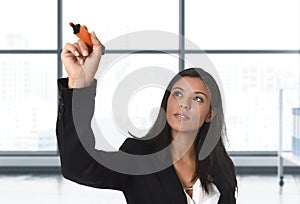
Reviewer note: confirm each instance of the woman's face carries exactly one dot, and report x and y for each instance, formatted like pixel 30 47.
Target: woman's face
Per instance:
pixel 188 105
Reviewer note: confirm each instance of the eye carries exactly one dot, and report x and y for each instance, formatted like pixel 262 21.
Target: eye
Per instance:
pixel 198 99
pixel 177 94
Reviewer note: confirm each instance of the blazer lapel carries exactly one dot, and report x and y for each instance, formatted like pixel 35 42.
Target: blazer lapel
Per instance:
pixel 172 186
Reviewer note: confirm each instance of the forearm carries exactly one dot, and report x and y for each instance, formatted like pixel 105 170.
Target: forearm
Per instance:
pixel 76 108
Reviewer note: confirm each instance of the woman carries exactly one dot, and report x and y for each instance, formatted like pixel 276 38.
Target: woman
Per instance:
pixel 191 114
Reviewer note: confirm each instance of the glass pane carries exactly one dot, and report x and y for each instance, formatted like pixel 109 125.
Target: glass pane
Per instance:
pixel 30 24
pixel 28 99
pixel 113 19
pixel 251 84
pixel 249 24
pixel 139 80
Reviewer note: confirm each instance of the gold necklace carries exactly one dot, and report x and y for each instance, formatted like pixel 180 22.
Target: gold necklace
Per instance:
pixel 188 189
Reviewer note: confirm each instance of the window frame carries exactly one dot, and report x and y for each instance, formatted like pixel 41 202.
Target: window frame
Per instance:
pixel 181 52
pixel 56 51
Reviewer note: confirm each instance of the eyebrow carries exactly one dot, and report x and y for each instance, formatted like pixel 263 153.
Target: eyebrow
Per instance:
pixel 197 92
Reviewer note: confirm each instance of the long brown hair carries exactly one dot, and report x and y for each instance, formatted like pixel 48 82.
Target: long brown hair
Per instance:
pixel 216 167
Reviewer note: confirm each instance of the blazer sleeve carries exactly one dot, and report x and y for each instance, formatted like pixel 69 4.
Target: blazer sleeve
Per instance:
pixel 76 163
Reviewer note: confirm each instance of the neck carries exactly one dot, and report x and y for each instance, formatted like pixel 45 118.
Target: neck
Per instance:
pixel 183 146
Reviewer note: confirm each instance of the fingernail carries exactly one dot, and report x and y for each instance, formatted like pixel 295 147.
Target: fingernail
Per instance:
pixel 81 61
pixel 76 53
pixel 85 53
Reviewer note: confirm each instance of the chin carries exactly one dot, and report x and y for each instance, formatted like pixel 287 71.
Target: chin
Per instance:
pixel 184 130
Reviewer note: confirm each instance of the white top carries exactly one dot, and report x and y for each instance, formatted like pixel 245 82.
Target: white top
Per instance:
pixel 200 196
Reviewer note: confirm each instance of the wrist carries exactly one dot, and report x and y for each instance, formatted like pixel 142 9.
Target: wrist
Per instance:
pixel 78 83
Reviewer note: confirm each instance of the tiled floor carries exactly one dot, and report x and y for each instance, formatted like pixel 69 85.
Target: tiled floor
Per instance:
pixel 53 189
pixel 265 189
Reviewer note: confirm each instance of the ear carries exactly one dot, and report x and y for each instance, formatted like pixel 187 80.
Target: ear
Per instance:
pixel 211 115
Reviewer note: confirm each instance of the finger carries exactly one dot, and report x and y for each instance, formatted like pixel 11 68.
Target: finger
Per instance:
pixel 80 58
pixel 69 48
pixel 83 48
pixel 97 46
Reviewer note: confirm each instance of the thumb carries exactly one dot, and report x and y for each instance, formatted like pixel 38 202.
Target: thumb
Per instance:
pixel 97 44
pixel 95 41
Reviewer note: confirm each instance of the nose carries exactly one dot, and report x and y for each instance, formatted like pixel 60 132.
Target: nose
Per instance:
pixel 184 106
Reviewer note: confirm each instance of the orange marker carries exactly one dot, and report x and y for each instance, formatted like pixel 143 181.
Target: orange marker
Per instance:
pixel 84 35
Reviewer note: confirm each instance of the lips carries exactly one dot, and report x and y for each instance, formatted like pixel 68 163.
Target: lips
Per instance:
pixel 181 116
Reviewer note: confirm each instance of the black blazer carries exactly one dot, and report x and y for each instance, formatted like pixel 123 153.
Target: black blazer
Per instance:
pixel 77 165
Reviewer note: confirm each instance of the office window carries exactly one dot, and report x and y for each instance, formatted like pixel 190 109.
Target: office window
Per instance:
pixel 112 19
pixel 29 56
pixel 243 25
pixel 30 24
pixel 240 38
pixel 114 25
pixel 28 61
pixel 142 104
pixel 28 102
pixel 251 84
